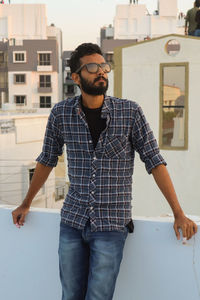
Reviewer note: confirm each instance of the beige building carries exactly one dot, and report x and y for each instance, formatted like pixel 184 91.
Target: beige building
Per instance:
pixel 150 74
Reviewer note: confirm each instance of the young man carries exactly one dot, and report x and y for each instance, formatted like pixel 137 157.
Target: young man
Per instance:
pixel 101 133
pixel 191 19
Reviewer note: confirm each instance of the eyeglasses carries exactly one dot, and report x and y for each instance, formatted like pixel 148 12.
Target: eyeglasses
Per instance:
pixel 94 68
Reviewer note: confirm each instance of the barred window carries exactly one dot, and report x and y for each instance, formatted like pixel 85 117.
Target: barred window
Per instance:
pixel 19 57
pixel 19 78
pixel 20 100
pixel 45 80
pixel 44 59
pixel 45 101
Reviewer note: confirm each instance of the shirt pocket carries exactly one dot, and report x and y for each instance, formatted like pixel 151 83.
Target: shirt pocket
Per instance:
pixel 115 146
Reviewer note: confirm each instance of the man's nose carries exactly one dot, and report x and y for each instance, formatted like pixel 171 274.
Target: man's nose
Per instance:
pixel 100 71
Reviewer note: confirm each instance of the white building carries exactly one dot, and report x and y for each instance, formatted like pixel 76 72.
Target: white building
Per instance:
pixel 162 75
pixel 30 84
pixel 132 21
pixel 30 58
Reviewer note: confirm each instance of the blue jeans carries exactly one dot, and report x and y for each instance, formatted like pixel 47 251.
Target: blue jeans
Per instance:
pixel 89 262
pixel 197 32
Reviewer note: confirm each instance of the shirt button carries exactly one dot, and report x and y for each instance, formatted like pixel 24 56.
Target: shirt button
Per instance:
pixel 90 141
pixel 93 175
pixel 91 208
pixel 94 158
pixel 92 192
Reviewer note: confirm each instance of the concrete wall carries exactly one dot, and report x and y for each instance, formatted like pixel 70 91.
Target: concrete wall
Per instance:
pixel 141 82
pixel 155 265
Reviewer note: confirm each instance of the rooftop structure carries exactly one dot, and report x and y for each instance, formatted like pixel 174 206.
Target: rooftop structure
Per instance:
pixel 162 76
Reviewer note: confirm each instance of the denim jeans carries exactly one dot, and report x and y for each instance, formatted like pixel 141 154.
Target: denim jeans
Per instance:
pixel 89 262
pixel 197 32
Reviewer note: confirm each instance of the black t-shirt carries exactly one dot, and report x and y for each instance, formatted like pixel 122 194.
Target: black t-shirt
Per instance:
pixel 95 123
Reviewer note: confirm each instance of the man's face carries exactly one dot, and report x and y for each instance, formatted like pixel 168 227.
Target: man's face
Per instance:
pixel 93 84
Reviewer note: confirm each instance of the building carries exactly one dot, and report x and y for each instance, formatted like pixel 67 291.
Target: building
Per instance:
pixel 163 79
pixel 70 89
pixel 133 21
pixel 30 58
pixel 31 82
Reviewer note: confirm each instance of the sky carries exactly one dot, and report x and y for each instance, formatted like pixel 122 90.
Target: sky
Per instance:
pixel 81 20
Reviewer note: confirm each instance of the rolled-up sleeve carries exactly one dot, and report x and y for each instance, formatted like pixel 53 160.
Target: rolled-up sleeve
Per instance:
pixel 145 143
pixel 53 142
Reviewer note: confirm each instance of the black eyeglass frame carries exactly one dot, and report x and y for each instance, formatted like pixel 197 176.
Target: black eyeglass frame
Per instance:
pixel 98 65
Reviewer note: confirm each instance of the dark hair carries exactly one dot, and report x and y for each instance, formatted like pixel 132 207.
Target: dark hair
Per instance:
pixel 197 3
pixel 80 51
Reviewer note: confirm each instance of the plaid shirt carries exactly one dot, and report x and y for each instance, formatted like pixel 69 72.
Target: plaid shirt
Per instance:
pixel 101 178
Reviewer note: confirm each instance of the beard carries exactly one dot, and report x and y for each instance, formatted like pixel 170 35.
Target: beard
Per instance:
pixel 92 89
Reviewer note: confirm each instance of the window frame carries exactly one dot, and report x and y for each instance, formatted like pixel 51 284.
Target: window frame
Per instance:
pixel 45 83
pixel 45 101
pixel 20 104
pixel 19 61
pixel 186 65
pixel 19 74
pixel 44 53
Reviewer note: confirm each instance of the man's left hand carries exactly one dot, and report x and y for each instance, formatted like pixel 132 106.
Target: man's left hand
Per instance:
pixel 187 226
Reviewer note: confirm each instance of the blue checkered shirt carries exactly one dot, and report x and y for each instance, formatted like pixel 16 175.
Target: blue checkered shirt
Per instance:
pixel 101 178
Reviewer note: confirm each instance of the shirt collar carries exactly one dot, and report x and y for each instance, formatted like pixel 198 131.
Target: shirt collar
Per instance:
pixel 105 108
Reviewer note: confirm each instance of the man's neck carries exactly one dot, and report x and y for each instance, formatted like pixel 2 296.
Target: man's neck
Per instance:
pixel 92 101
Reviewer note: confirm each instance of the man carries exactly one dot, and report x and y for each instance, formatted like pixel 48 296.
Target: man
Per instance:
pixel 190 18
pixel 101 133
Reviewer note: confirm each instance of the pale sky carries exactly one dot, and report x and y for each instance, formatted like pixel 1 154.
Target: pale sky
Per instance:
pixel 81 20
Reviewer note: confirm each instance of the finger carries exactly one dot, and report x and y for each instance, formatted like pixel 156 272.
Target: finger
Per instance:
pixel 14 216
pixel 177 232
pixel 184 231
pixel 195 228
pixel 21 219
pixel 189 232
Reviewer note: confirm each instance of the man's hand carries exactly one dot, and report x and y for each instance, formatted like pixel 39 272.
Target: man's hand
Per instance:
pixel 187 226
pixel 19 215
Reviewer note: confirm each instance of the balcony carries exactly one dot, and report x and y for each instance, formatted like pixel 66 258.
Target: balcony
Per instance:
pixel 44 68
pixel 45 88
pixel 155 265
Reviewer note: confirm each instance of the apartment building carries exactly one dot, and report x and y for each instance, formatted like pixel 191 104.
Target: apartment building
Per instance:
pixel 30 58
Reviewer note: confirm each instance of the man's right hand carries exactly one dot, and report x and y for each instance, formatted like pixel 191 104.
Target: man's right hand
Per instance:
pixel 19 215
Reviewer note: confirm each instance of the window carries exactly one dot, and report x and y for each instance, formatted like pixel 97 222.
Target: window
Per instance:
pixel 68 76
pixel 70 89
pixel 31 172
pixel 174 106
pixel 45 80
pixel 19 56
pixel 44 59
pixel 20 100
pixel 45 101
pixel 60 193
pixel 19 78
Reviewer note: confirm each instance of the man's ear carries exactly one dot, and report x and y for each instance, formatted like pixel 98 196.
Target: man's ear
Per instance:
pixel 76 78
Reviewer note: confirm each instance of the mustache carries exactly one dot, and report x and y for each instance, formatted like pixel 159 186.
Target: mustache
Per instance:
pixel 100 77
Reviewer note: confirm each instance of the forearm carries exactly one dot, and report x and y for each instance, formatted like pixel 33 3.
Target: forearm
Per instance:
pixel 40 175
pixel 165 184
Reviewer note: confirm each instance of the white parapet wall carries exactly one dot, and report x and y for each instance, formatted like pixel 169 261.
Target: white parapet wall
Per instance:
pixel 155 265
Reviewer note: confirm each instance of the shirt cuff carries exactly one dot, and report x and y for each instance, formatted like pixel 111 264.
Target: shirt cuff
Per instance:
pixel 46 160
pixel 154 161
